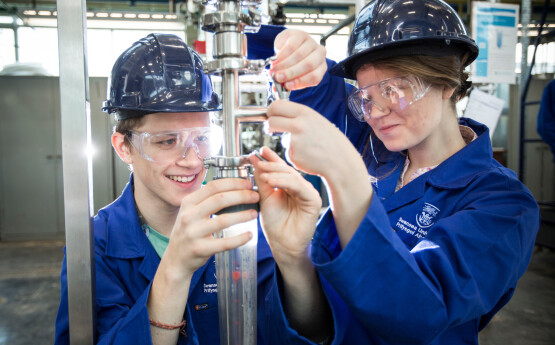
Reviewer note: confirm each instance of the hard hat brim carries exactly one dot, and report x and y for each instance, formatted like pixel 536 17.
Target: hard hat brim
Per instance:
pixel 427 46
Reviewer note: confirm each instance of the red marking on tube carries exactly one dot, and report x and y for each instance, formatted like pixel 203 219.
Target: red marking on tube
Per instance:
pixel 236 275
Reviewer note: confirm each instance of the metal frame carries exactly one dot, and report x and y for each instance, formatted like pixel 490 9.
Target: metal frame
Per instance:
pixel 77 170
pixel 336 28
pixel 525 84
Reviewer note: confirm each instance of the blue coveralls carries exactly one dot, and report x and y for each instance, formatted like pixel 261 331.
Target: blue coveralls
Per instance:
pixel 546 117
pixel 126 263
pixel 433 262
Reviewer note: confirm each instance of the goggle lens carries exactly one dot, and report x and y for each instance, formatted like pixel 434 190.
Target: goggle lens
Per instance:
pixel 174 145
pixel 394 93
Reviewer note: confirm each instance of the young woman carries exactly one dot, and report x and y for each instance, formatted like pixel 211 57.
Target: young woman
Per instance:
pixel 427 234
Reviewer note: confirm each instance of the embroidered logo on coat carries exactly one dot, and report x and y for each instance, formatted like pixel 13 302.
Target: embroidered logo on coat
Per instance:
pixel 203 306
pixel 425 219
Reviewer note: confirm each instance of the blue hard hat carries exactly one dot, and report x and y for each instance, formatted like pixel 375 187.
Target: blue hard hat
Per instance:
pixel 159 73
pixel 388 28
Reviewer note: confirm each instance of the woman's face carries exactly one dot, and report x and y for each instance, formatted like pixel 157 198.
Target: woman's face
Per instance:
pixel 403 128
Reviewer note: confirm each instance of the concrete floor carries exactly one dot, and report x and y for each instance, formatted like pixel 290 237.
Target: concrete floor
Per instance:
pixel 29 295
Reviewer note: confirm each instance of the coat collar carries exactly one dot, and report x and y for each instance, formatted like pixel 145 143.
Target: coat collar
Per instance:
pixel 454 173
pixel 461 168
pixel 124 237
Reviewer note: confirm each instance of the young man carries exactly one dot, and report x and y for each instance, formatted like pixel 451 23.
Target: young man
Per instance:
pixel 155 272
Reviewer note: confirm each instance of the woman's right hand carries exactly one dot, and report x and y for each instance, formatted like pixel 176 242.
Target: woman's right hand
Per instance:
pixel 319 148
pixel 316 146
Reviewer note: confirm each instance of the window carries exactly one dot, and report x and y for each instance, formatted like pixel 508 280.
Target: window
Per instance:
pixel 7 48
pixel 38 45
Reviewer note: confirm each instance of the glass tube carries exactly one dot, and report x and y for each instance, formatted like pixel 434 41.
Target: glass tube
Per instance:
pixel 236 271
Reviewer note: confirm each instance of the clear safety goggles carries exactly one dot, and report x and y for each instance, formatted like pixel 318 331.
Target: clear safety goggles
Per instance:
pixel 394 93
pixel 170 146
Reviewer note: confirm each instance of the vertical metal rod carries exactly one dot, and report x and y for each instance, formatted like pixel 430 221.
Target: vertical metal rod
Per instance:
pixel 77 169
pixel 524 42
pixel 230 102
pixel 16 38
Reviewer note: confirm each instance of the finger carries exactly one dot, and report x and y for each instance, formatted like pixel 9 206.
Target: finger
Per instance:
pixel 215 187
pixel 223 221
pixel 265 168
pixel 216 202
pixel 283 124
pixel 307 80
pixel 270 155
pixel 275 167
pixel 297 66
pixel 211 246
pixel 285 37
pixel 293 184
pixel 286 109
pixel 293 54
pixel 208 226
pixel 220 201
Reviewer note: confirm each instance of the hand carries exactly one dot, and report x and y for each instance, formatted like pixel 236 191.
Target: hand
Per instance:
pixel 301 61
pixel 317 146
pixel 289 207
pixel 191 241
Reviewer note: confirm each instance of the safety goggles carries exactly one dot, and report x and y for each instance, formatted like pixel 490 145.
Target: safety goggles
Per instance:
pixel 170 146
pixel 393 93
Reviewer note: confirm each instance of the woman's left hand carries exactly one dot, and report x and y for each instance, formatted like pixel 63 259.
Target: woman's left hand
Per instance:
pixel 301 61
pixel 289 207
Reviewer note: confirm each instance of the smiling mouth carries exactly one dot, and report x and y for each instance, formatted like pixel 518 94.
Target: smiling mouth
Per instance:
pixel 182 179
pixel 387 128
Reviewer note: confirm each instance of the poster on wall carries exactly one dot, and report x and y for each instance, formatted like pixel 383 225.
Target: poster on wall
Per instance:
pixel 494 28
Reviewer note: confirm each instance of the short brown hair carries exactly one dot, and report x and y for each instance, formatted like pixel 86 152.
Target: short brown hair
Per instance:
pixel 126 125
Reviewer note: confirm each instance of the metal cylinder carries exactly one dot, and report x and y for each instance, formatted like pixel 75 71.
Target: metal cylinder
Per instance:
pixel 236 269
pixel 237 284
pixel 230 44
pixel 230 101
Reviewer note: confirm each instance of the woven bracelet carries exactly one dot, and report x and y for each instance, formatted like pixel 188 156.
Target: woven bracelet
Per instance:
pixel 181 326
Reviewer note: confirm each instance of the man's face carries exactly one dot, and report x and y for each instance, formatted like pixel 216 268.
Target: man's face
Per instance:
pixel 165 183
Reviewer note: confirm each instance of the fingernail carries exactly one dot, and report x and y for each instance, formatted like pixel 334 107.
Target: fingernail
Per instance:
pixel 279 77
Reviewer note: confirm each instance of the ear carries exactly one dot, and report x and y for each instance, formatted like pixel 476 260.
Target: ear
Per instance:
pixel 448 92
pixel 121 148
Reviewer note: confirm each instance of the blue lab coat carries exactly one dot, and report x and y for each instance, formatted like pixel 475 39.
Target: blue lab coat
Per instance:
pixel 433 262
pixel 126 263
pixel 546 117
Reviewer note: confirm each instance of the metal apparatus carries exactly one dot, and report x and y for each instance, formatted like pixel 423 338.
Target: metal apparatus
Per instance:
pixel 236 269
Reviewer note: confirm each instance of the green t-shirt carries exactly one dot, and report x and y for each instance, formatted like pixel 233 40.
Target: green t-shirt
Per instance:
pixel 158 241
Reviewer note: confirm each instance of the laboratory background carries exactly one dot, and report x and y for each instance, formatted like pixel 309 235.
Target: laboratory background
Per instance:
pixel 48 193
